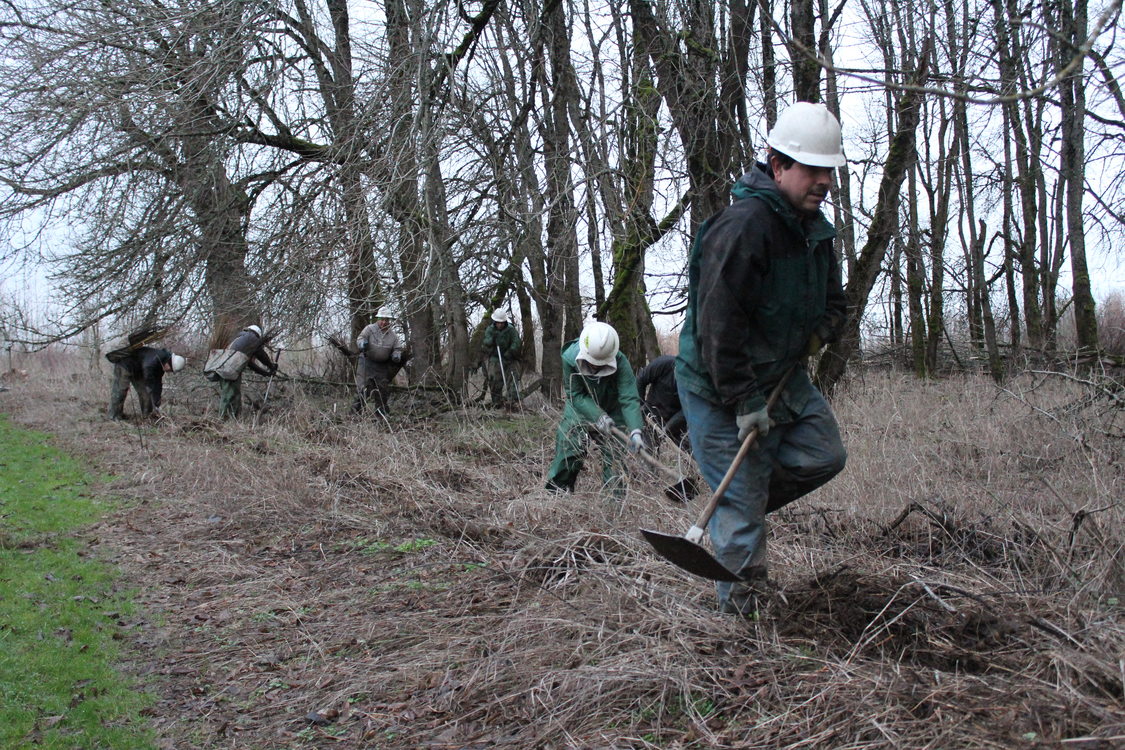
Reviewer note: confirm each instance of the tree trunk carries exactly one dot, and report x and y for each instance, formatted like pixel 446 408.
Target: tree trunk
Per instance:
pixel 883 225
pixel 802 43
pixel 915 281
pixel 402 199
pixel 626 307
pixel 1010 57
pixel 1072 114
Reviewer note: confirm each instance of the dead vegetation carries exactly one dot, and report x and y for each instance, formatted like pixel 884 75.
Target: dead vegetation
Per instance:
pixel 310 580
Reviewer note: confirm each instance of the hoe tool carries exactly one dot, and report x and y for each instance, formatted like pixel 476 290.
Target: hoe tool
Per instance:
pixel 686 551
pixel 682 489
pixel 269 384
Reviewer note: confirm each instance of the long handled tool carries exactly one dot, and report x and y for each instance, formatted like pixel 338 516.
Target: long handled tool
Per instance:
pixel 269 384
pixel 686 551
pixel 682 488
pixel 503 372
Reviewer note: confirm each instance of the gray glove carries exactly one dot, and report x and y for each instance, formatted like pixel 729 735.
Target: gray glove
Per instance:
pixel 396 357
pixel 362 344
pixel 747 422
pixel 604 424
pixel 636 442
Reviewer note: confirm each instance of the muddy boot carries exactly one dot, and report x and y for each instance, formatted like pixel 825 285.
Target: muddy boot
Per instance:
pixel 750 597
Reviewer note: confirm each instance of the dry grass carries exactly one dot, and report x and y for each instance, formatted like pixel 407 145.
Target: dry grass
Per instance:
pixel 957 586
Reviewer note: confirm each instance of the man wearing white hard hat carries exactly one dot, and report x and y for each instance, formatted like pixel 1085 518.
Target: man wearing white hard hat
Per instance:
pixel 143 368
pixel 501 348
pixel 601 394
pixel 380 355
pixel 764 293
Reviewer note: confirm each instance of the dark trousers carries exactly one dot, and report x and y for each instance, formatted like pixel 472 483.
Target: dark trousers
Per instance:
pixel 119 391
pixel 230 398
pixel 372 385
pixel 503 381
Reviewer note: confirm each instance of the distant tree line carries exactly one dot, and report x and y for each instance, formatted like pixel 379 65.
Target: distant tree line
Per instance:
pixel 313 160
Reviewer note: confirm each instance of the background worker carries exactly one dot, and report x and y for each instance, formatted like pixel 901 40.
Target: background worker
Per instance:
pixel 252 343
pixel 764 292
pixel 601 393
pixel 501 348
pixel 656 382
pixel 144 369
pixel 380 356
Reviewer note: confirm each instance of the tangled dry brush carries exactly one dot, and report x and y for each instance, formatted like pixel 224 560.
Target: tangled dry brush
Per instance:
pixel 310 579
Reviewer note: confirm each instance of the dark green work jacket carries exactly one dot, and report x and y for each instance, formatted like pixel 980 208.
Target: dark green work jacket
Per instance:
pixel 761 281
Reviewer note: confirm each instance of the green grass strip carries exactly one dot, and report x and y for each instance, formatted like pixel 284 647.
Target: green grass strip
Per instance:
pixel 58 610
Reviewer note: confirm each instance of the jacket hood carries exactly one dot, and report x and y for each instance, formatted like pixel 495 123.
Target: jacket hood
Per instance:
pixel 758 181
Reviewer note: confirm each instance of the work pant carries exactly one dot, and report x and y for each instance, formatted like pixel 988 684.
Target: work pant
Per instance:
pixel 674 426
pixel 230 398
pixel 792 460
pixel 119 391
pixel 572 440
pixel 372 385
pixel 503 383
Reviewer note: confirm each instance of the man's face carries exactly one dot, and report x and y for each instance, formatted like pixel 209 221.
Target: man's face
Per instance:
pixel 804 186
pixel 383 323
pixel 500 324
pixel 167 366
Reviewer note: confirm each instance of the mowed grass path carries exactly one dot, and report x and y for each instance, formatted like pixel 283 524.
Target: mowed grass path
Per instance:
pixel 59 612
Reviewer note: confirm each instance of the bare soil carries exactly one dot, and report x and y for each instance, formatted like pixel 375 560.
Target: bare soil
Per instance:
pixel 311 579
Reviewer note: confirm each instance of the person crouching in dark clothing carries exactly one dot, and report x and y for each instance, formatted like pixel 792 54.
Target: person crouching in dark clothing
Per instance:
pixel 144 369
pixel 656 383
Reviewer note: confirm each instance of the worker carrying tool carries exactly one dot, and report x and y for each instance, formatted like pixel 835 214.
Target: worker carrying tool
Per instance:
pixel 381 355
pixel 225 366
pixel 501 349
pixel 601 395
pixel 764 293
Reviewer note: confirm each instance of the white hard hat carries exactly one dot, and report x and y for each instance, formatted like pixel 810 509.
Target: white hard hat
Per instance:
pixel 810 134
pixel 500 316
pixel 253 328
pixel 598 344
pixel 177 363
pixel 385 312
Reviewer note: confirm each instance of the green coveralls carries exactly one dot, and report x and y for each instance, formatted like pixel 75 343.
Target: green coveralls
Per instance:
pixel 507 341
pixel 587 399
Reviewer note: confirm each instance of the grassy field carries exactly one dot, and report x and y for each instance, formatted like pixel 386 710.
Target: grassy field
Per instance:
pixel 59 610
pixel 307 579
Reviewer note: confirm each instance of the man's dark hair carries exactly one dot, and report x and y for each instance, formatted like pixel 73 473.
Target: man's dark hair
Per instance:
pixel 785 160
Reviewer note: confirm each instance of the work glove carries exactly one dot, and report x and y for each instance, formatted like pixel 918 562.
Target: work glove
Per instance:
pixel 636 442
pixel 604 424
pixel 362 344
pixel 814 346
pixel 747 422
pixel 396 357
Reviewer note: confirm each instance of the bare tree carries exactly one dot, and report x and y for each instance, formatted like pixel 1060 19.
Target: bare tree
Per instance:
pixel 1072 110
pixel 862 278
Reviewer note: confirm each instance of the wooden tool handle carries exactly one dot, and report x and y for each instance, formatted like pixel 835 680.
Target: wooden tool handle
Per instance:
pixel 747 444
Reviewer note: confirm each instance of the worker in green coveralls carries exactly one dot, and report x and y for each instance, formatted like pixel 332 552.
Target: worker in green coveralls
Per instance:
pixel 601 394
